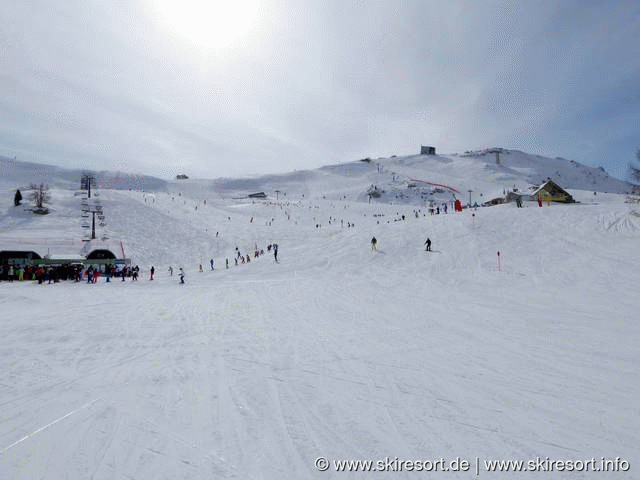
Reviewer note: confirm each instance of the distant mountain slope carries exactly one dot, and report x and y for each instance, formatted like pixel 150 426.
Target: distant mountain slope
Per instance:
pixel 413 179
pixel 417 178
pixel 24 173
pixel 535 169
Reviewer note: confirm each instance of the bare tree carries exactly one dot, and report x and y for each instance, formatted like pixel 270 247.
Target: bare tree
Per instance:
pixel 40 197
pixel 634 170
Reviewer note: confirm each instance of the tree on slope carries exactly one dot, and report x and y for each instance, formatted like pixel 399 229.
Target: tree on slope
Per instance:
pixel 634 173
pixel 40 197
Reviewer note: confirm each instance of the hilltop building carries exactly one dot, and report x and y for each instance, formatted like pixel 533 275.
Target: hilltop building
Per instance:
pixel 551 192
pixel 427 150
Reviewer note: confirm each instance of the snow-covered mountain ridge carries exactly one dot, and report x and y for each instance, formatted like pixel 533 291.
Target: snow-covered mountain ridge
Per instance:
pixel 22 174
pixel 477 171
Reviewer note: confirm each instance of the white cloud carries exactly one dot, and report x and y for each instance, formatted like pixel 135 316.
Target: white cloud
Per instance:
pixel 318 82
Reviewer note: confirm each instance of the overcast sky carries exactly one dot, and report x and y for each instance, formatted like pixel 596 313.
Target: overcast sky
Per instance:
pixel 177 86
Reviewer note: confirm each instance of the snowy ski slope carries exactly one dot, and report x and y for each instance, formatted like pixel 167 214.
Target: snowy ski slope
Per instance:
pixel 256 371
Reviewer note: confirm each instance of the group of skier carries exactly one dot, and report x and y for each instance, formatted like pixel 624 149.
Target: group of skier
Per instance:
pixel 239 259
pixel 374 244
pixel 180 273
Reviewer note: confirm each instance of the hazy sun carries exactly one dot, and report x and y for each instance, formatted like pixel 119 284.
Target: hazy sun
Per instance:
pixel 210 25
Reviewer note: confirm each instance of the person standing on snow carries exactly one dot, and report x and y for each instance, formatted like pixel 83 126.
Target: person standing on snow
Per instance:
pixel 211 262
pixel 275 251
pixel 374 243
pixel 181 275
pixel 428 244
pixel 152 271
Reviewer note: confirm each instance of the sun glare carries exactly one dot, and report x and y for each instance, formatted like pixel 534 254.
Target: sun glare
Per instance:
pixel 209 25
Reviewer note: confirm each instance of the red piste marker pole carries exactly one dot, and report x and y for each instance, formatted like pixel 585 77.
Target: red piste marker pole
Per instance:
pixel 499 261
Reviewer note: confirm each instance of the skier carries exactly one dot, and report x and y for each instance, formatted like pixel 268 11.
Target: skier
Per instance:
pixel 181 273
pixel 275 251
pixel 428 244
pixel 211 262
pixel 374 243
pixel 170 271
pixel 152 271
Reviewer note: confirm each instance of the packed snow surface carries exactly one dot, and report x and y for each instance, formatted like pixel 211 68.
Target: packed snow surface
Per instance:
pixel 335 351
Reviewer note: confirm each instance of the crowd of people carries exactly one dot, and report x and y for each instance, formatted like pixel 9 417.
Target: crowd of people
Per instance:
pixel 39 273
pixel 78 272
